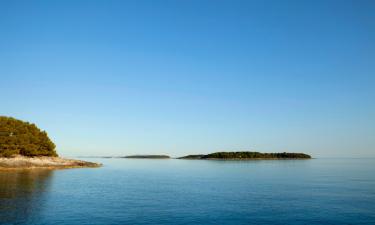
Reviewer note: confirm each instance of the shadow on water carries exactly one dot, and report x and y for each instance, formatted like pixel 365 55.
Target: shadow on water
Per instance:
pixel 22 194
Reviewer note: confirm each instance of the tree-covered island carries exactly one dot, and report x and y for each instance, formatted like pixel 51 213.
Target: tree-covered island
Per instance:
pixel 147 157
pixel 24 145
pixel 248 156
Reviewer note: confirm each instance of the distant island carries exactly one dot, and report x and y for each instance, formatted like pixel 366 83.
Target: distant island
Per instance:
pixel 248 156
pixel 146 157
pixel 24 145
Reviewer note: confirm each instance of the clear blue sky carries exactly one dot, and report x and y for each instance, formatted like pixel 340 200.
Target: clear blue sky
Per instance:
pixel 178 77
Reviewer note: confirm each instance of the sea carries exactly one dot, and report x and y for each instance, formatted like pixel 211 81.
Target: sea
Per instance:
pixel 173 191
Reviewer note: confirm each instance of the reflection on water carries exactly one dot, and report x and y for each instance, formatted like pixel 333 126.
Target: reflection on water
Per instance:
pixel 128 191
pixel 22 194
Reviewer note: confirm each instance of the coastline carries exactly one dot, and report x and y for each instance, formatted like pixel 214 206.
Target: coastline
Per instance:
pixel 247 155
pixel 244 159
pixel 43 162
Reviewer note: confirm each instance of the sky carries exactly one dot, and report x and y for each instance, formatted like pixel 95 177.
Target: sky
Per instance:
pixel 192 76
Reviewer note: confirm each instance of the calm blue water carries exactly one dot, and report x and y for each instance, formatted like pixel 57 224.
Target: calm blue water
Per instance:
pixel 145 191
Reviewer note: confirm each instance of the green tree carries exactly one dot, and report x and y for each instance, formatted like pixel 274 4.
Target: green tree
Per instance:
pixel 23 138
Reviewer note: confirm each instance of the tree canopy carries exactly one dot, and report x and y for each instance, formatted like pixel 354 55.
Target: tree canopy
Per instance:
pixel 256 155
pixel 23 138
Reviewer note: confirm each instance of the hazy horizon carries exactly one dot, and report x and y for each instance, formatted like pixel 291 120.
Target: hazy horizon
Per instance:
pixel 189 77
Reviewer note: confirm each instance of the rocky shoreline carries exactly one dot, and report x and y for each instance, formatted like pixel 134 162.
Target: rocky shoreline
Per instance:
pixel 22 162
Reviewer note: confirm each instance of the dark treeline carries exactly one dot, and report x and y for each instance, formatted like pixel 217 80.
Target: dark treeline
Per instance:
pixel 147 157
pixel 249 155
pixel 23 138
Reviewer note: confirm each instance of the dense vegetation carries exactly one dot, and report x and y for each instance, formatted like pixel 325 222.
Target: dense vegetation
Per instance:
pixel 147 157
pixel 249 155
pixel 23 138
pixel 191 157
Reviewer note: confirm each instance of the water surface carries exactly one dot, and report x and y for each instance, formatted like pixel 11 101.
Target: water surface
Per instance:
pixel 147 191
